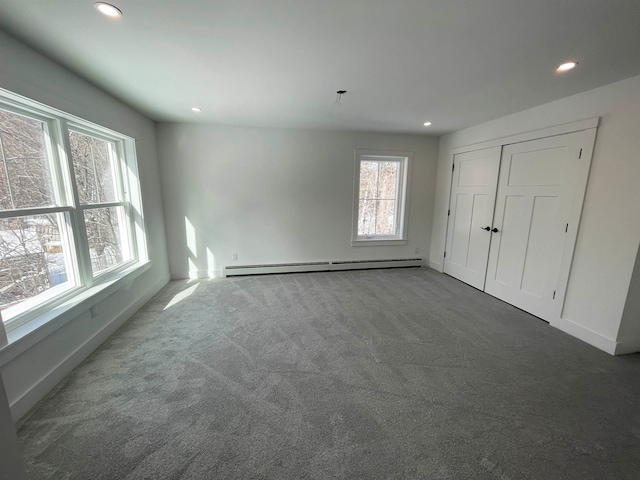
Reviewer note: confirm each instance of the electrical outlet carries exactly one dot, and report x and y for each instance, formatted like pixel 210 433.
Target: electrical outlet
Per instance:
pixel 234 256
pixel 94 312
pixel 417 251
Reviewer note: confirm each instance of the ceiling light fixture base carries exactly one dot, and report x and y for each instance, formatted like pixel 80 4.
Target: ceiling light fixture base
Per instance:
pixel 339 94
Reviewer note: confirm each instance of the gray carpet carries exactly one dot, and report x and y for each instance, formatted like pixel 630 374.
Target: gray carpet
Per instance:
pixel 388 374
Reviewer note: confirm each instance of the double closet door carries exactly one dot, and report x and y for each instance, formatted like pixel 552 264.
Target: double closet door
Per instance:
pixel 513 218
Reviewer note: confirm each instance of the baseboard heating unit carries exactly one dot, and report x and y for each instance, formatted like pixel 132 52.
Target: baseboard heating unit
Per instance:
pixel 236 270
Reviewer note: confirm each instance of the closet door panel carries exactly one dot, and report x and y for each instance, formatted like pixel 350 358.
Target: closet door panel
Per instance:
pixel 511 245
pixel 540 246
pixel 533 205
pixel 473 190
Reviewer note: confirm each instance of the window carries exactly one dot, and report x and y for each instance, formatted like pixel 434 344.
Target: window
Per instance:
pixel 96 169
pixel 380 197
pixel 66 207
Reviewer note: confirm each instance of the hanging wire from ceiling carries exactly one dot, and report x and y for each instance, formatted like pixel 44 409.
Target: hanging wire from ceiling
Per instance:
pixel 339 94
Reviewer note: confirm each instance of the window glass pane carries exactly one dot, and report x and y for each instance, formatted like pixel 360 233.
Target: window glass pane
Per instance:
pixel 377 201
pixel 367 218
pixel 387 180
pixel 93 167
pixel 368 179
pixel 107 235
pixel 34 259
pixel 25 177
pixel 385 217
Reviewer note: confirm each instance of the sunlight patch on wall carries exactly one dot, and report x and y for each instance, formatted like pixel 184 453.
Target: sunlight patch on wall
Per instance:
pixel 191 237
pixel 192 245
pixel 211 264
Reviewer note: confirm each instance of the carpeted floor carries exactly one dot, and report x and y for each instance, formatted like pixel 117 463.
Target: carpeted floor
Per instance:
pixel 387 374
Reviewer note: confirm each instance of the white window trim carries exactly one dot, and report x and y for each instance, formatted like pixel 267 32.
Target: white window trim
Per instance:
pixel 50 315
pixel 402 200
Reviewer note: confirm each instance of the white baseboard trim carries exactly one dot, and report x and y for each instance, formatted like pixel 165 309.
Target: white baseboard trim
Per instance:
pixel 436 266
pixel 320 266
pixel 200 274
pixel 586 335
pixel 179 275
pixel 197 274
pixel 37 392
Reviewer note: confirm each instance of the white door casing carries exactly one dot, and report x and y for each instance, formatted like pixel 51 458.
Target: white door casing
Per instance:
pixel 473 193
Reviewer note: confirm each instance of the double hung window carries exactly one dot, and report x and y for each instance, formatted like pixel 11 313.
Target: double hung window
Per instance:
pixel 66 207
pixel 380 198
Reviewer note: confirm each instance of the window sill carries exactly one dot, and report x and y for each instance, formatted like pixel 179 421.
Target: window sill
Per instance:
pixel 376 242
pixel 25 336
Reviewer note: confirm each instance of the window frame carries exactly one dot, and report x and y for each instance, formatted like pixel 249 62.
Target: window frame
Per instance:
pixel 402 197
pixel 121 183
pixel 65 193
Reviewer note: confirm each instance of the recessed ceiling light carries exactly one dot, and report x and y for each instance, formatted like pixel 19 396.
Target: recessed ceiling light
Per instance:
pixel 196 109
pixel 108 9
pixel 565 67
pixel 427 124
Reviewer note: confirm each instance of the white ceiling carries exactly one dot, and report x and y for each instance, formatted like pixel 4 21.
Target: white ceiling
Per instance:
pixel 278 63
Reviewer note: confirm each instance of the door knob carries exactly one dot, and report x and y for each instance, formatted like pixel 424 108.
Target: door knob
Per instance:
pixel 485 228
pixel 494 230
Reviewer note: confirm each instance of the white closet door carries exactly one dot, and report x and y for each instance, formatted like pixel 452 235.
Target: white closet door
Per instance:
pixel 533 208
pixel 473 194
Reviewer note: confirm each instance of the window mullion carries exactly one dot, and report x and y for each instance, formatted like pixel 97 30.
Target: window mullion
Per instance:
pixel 76 217
pixel 133 239
pixel 53 133
pixel 117 153
pixel 125 232
pixel 377 199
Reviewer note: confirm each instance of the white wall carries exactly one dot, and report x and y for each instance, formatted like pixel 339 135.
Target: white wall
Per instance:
pixel 609 233
pixel 29 376
pixel 11 466
pixel 630 325
pixel 276 195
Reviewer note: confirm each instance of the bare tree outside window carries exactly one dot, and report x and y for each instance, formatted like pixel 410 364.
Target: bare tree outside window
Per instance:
pixel 25 180
pixel 93 168
pixel 103 234
pixel 378 198
pixel 31 258
pixel 93 165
